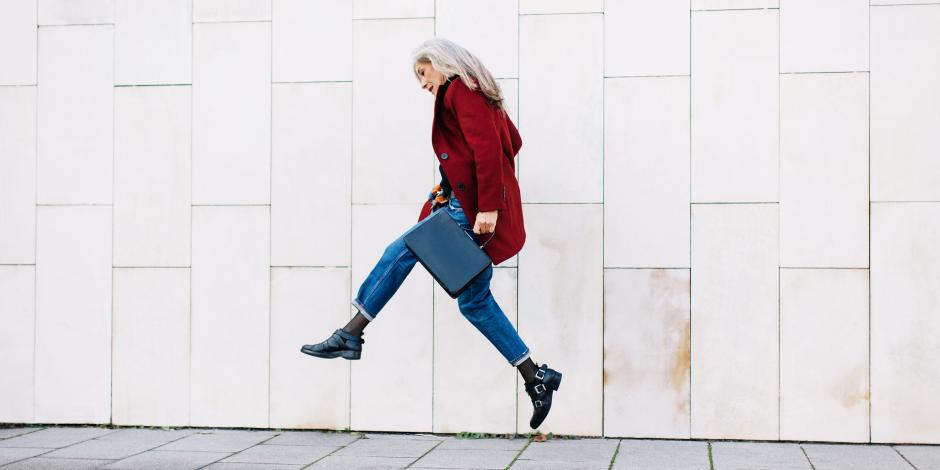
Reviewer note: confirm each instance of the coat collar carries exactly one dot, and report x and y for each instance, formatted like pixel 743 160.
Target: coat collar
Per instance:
pixel 439 98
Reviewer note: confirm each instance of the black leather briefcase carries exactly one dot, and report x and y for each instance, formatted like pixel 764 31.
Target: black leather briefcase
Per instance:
pixel 448 252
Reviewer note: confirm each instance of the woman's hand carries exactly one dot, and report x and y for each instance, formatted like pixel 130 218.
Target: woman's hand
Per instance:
pixel 486 222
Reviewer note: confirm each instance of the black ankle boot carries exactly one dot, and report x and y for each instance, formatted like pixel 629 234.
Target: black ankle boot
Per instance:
pixel 340 344
pixel 540 391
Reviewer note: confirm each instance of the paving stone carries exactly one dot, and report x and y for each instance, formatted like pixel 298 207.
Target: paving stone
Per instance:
pixel 537 465
pixel 452 443
pixel 466 458
pixel 391 447
pixel 407 437
pixel 219 441
pixel 758 455
pixel 40 463
pixel 855 457
pixel 120 444
pixel 55 437
pixel 281 454
pixel 12 454
pixel 6 433
pixel 647 454
pixel 148 435
pixel 313 438
pixel 353 462
pixel 252 466
pixel 924 457
pixel 168 460
pixel 587 452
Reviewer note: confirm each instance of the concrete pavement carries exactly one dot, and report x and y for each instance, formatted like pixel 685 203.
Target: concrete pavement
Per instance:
pixel 77 448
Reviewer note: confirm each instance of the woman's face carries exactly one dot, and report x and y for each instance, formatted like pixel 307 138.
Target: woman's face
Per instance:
pixel 429 78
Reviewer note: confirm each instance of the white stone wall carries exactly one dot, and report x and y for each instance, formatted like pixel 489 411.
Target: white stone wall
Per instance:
pixel 732 208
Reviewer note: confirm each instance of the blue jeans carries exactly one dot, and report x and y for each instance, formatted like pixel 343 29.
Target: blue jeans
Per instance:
pixel 476 302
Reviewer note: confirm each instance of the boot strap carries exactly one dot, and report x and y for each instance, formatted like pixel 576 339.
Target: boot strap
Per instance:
pixel 342 334
pixel 534 387
pixel 335 341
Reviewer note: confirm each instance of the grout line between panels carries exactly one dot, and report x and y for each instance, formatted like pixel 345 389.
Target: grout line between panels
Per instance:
pixel 270 198
pixel 192 209
pixel 113 179
pixel 732 203
pixel 868 151
pixel 133 85
pixel 519 182
pixel 231 21
pixel 395 18
pixel 433 292
pixel 288 82
pixel 779 179
pixel 690 219
pixel 603 344
pixel 896 202
pixel 36 215
pixel 903 4
pixel 673 75
pixel 563 13
pixel 352 131
pixel 815 72
pixel 700 10
pixel 72 24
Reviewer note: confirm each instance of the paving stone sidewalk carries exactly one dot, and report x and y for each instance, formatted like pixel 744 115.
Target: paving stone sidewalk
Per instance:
pixel 78 448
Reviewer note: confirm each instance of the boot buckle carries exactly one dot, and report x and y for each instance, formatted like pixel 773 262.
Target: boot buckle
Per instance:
pixel 538 403
pixel 536 388
pixel 537 374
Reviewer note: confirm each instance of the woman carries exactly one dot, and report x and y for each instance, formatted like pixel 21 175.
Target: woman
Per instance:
pixel 476 144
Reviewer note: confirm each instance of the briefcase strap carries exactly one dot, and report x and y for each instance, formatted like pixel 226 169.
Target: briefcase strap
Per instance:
pixel 488 240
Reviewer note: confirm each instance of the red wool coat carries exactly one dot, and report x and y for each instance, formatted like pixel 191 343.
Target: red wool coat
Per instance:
pixel 476 145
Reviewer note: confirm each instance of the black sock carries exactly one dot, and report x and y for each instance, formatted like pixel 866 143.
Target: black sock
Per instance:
pixel 527 369
pixel 356 324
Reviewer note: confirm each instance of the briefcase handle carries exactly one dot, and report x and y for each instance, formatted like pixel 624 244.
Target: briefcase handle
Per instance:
pixel 492 234
pixel 435 206
pixel 487 240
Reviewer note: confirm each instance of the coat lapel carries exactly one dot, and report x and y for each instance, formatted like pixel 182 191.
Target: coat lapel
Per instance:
pixel 439 103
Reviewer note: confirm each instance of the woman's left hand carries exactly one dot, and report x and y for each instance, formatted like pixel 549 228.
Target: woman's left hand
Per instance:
pixel 486 222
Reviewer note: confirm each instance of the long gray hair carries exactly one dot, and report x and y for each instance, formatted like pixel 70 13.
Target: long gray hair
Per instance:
pixel 449 58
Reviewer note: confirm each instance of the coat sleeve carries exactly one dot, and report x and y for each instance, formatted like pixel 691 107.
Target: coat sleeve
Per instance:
pixel 475 117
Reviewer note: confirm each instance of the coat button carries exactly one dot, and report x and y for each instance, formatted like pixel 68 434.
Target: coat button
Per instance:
pixel 460 186
pixel 444 156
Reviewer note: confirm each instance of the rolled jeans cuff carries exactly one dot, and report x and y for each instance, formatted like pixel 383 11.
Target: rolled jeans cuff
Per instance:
pixel 362 310
pixel 521 359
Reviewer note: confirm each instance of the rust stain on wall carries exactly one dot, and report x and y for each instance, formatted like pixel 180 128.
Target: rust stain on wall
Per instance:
pixel 669 296
pixel 661 286
pixel 618 366
pixel 853 388
pixel 656 352
pixel 681 365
